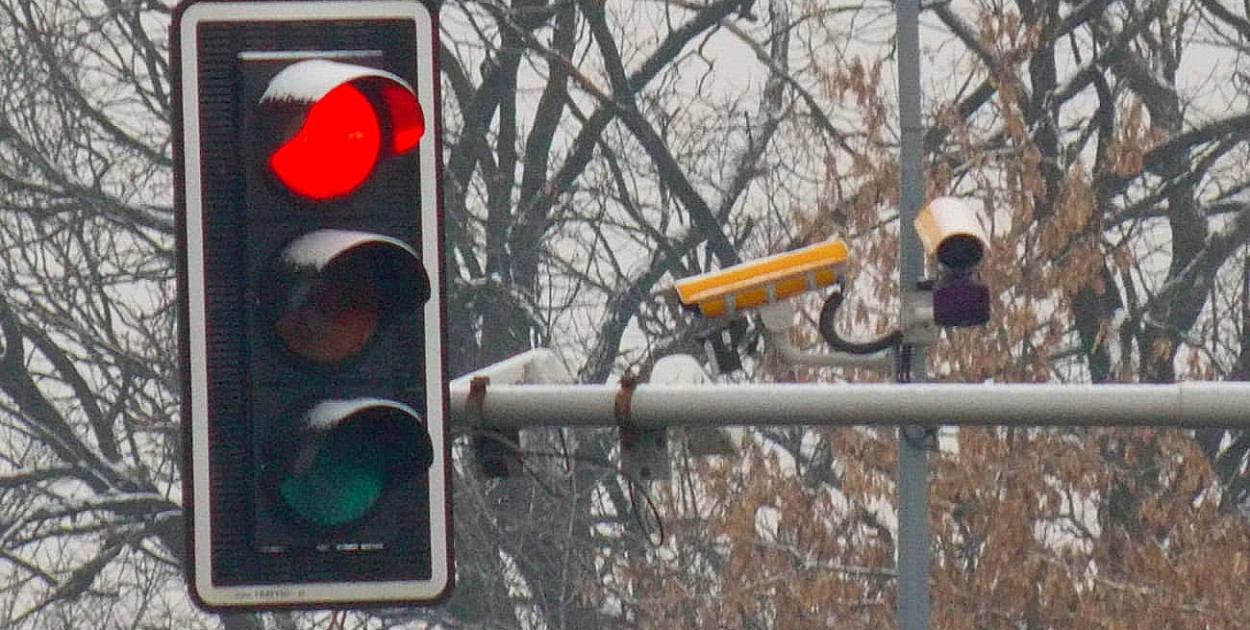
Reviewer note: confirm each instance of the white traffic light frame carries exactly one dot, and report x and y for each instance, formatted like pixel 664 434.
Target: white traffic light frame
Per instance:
pixel 187 64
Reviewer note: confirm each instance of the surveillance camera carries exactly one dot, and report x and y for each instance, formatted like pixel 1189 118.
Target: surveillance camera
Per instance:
pixel 950 230
pixel 728 291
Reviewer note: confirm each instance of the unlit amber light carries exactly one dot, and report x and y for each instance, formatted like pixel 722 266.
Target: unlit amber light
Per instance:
pixel 332 322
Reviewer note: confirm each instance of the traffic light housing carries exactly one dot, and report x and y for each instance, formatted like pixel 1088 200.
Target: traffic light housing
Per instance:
pixel 311 310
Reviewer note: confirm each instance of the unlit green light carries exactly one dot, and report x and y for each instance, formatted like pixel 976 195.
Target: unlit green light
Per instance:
pixel 344 480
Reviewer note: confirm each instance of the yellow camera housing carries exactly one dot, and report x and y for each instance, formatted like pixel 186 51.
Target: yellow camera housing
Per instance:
pixel 777 277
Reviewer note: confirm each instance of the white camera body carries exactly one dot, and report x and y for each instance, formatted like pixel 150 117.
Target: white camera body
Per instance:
pixel 951 231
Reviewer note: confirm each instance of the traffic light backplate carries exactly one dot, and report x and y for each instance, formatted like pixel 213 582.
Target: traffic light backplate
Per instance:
pixel 311 310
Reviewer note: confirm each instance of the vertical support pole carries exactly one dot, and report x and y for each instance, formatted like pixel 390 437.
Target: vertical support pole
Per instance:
pixel 913 468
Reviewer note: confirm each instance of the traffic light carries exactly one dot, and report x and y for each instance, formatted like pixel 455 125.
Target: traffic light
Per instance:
pixel 311 310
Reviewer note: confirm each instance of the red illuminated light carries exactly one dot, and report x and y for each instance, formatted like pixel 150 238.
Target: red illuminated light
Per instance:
pixel 407 120
pixel 335 149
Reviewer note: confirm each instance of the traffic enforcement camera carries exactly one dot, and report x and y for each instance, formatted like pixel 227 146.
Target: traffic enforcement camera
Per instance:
pixel 311 311
pixel 726 292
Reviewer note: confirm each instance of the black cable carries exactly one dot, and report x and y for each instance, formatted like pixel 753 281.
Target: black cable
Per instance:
pixel 827 330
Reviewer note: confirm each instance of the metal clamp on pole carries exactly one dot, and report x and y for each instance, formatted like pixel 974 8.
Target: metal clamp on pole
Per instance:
pixel 474 400
pixel 497 451
pixel 497 448
pixel 918 326
pixel 644 451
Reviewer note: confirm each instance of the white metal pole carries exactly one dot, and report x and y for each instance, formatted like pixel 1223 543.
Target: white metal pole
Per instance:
pixel 1189 404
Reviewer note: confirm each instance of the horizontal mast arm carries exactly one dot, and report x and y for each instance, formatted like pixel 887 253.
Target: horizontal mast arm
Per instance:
pixel 1188 404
